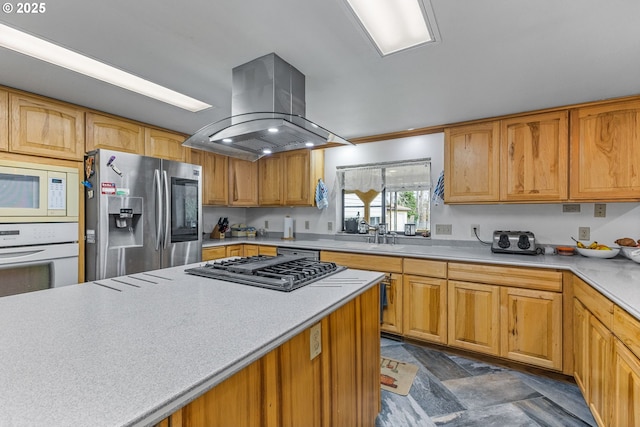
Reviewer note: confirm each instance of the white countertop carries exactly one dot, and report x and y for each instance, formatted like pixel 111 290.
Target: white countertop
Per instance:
pixel 617 278
pixel 131 354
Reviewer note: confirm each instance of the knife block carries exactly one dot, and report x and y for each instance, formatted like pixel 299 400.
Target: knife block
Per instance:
pixel 216 234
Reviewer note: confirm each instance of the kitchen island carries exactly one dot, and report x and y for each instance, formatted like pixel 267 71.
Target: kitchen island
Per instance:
pixel 132 350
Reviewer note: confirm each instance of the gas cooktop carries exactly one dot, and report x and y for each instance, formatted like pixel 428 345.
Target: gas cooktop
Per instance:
pixel 282 272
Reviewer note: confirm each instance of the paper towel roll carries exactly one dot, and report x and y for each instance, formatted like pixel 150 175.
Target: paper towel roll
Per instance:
pixel 288 228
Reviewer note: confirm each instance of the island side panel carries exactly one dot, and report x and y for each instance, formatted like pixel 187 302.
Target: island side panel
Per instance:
pixel 288 388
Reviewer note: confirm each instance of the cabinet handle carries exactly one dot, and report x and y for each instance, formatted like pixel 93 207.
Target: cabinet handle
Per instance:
pixel 511 150
pixel 389 288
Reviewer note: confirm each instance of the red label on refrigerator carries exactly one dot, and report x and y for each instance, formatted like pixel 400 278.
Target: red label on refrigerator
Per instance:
pixel 108 187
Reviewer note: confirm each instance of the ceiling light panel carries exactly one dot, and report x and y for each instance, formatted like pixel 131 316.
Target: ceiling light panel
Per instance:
pixel 393 25
pixel 35 47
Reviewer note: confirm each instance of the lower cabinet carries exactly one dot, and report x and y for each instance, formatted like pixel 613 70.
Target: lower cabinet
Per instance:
pixel 599 347
pixel 235 250
pixel 626 387
pixel 286 387
pixel 474 317
pixel 217 252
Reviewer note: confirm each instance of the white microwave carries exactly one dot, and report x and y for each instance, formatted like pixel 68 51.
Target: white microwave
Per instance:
pixel 32 192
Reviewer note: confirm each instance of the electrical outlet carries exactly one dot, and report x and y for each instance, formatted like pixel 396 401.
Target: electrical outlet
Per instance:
pixel 329 226
pixel 475 230
pixel 443 229
pixel 571 207
pixel 266 224
pixel 315 341
pixel 584 233
pixel 600 210
pixel 306 225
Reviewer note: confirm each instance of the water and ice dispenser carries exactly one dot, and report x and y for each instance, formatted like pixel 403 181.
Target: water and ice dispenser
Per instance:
pixel 125 221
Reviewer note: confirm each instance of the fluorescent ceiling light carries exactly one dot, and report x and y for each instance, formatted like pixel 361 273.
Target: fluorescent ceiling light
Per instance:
pixel 393 25
pixel 35 47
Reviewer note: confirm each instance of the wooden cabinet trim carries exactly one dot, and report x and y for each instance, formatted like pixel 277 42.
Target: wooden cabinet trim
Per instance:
pixel 627 329
pixel 4 120
pixel 387 264
pixel 593 301
pixel 425 267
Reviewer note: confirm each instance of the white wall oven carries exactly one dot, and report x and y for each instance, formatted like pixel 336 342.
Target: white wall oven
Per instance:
pixel 38 193
pixel 37 256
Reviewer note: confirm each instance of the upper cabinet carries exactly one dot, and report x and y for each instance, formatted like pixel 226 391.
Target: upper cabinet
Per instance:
pixel 215 190
pixel 163 144
pixel 114 134
pixel 605 152
pixel 534 157
pixel 521 159
pixel 243 182
pixel 270 171
pixel 4 120
pixel 45 128
pixel 471 159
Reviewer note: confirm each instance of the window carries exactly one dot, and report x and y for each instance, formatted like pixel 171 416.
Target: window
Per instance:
pixel 395 194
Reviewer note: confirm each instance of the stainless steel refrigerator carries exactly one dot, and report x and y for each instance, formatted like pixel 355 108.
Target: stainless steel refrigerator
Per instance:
pixel 142 213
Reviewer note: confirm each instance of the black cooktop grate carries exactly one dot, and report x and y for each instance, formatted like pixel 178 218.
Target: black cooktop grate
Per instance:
pixel 282 272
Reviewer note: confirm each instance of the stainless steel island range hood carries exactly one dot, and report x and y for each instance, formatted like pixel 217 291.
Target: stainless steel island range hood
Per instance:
pixel 268 108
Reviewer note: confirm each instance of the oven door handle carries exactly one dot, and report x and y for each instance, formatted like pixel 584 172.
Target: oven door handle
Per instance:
pixel 17 255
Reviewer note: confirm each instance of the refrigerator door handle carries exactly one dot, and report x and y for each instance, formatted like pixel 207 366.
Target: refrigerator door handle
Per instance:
pixel 166 207
pixel 159 208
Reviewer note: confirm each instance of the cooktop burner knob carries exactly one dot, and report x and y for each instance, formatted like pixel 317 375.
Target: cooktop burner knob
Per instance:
pixel 503 241
pixel 523 242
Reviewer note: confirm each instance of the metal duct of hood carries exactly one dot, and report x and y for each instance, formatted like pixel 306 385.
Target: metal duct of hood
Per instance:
pixel 267 107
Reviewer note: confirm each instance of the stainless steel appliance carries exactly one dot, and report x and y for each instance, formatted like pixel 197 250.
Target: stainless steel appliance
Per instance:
pixel 282 272
pixel 409 229
pixel 37 256
pixel 308 253
pixel 142 213
pixel 32 192
pixel 514 242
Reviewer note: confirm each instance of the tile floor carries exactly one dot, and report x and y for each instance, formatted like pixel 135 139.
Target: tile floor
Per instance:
pixel 454 391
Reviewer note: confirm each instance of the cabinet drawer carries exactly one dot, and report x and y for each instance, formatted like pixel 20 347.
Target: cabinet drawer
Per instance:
pixel 424 267
pixel 594 301
pixel 530 278
pixel 268 250
pixel 364 262
pixel 213 253
pixel 627 329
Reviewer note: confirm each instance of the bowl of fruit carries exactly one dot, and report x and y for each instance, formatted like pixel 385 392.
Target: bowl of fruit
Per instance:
pixel 597 250
pixel 630 248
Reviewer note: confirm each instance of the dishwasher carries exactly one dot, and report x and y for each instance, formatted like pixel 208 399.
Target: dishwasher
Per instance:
pixel 308 253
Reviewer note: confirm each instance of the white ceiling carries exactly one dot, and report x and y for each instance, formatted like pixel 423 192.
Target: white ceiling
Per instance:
pixel 495 57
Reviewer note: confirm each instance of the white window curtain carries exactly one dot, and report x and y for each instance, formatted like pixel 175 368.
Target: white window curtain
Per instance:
pixel 411 177
pixel 362 179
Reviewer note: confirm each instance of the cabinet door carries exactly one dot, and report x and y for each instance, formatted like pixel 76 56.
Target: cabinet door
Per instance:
pixel 243 182
pixel 605 152
pixel 251 250
pixel 163 144
pixel 4 120
pixel 535 157
pixel 471 163
pixel 235 250
pixel 114 134
pixel 302 169
pixel 392 313
pixel 474 317
pixel 267 250
pixel 425 308
pixel 270 181
pixel 599 371
pixel 626 388
pixel 45 128
pixel 581 346
pixel 531 327
pixel 216 188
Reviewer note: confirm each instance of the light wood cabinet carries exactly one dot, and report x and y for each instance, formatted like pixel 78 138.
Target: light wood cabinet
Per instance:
pixel 425 300
pixel 290 178
pixel 270 171
pixel 250 250
pixel 212 253
pixel 288 388
pixel 580 345
pixel 472 160
pixel 534 157
pixel 164 144
pixel 474 317
pixel 4 120
pixel 243 182
pixel 216 184
pixel 531 327
pixel 267 250
pixel 114 134
pixel 392 311
pixel 235 250
pixel 626 387
pixel 599 370
pixel 45 128
pixel 605 152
